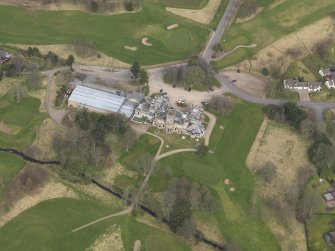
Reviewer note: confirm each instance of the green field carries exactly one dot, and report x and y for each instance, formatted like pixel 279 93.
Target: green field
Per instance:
pixel 231 147
pixel 48 225
pixel 23 117
pixel 108 33
pixel 270 25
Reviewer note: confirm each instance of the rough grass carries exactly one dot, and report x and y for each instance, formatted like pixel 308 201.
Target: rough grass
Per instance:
pixel 272 24
pixel 281 146
pixel 108 33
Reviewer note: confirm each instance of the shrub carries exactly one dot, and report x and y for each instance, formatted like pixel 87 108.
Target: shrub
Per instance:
pixel 265 72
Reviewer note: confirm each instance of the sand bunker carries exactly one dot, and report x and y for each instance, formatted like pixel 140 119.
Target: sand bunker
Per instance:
pixel 172 26
pixel 137 245
pixel 204 15
pixel 129 48
pixel 146 42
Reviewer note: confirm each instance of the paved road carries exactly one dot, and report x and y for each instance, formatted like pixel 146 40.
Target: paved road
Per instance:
pixel 216 36
pixel 318 107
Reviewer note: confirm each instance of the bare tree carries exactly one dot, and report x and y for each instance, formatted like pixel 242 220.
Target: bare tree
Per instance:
pixel 145 162
pixel 129 138
pixel 221 104
pixel 18 63
pixel 18 92
pixel 308 128
pixel 188 229
pixel 267 172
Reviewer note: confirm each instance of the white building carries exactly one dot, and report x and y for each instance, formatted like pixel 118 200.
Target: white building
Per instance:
pixel 293 84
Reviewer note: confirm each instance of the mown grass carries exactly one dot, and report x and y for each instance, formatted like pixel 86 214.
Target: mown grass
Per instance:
pixel 48 226
pixel 10 166
pixel 24 115
pixel 272 24
pixel 231 147
pixel 108 33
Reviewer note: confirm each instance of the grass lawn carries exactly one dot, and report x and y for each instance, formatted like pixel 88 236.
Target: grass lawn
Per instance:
pixel 174 141
pixel 272 24
pixel 24 115
pixel 186 4
pixel 231 147
pixel 324 95
pixel 10 166
pixel 316 227
pixel 48 225
pixel 108 33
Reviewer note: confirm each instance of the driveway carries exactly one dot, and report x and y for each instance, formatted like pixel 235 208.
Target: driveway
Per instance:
pixel 304 96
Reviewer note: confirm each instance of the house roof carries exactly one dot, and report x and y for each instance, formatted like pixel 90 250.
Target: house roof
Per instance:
pixel 328 196
pixel 96 99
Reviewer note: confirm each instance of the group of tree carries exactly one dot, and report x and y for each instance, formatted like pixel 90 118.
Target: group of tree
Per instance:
pixel 139 74
pixel 248 8
pixel 289 113
pixel 181 198
pixel 84 48
pixel 84 146
pixel 196 73
pixel 100 6
pixel 51 58
pixel 26 182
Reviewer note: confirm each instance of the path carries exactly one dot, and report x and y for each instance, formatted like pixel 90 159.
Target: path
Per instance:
pixel 210 127
pixel 216 37
pixel 166 154
pixel 124 212
pixel 225 54
pixel 56 115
